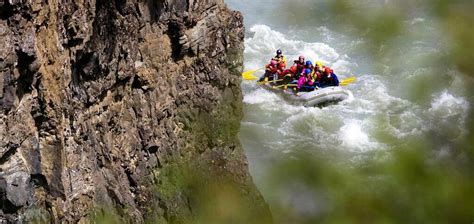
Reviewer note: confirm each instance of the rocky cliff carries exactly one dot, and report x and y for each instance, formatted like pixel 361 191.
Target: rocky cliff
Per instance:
pixel 100 101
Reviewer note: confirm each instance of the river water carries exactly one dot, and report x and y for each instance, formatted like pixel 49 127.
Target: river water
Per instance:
pixel 397 98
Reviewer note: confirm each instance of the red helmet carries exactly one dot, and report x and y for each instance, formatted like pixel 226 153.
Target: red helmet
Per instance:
pixel 293 68
pixel 328 70
pixel 281 65
pixel 273 62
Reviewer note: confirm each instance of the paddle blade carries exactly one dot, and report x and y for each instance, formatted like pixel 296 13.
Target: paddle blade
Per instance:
pixel 248 75
pixel 272 81
pixel 348 81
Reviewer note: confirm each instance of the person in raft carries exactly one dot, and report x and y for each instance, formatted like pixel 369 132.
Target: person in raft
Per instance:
pixel 289 74
pixel 271 70
pixel 280 58
pixel 316 74
pixel 328 78
pixel 300 64
pixel 306 81
pixel 286 76
pixel 319 67
pixel 309 65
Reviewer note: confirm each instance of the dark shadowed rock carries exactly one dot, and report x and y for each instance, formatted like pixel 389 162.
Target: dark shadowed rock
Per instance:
pixel 98 97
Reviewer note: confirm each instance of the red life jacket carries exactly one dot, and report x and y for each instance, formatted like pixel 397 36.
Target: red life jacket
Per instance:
pixel 299 66
pixel 280 59
pixel 272 68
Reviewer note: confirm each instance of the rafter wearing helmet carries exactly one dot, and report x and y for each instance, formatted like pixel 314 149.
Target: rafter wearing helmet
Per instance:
pixel 280 58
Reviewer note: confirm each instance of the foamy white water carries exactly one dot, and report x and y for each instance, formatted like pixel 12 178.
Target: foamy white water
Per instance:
pixel 348 126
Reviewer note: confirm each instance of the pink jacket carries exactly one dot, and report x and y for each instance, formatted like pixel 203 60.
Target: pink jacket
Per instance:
pixel 301 81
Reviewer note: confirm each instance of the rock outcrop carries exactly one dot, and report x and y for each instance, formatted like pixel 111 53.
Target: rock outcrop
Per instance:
pixel 98 97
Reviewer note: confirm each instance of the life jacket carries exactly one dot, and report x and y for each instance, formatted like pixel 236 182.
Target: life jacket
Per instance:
pixel 306 79
pixel 316 75
pixel 320 69
pixel 288 72
pixel 280 59
pixel 293 69
pixel 313 77
pixel 301 81
pixel 299 66
pixel 271 68
pixel 281 68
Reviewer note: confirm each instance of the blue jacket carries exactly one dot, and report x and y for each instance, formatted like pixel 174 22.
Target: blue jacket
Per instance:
pixel 335 80
pixel 325 81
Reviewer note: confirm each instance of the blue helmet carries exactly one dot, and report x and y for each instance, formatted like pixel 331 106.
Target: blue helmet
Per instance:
pixel 279 52
pixel 309 63
pixel 307 71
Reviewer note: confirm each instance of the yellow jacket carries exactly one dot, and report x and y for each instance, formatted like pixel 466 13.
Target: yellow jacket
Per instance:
pixel 281 59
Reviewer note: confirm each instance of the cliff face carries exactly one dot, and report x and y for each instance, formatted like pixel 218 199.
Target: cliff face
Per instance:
pixel 97 97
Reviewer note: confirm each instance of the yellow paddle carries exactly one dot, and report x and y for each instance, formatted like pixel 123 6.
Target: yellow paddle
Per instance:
pixel 347 81
pixel 248 75
pixel 285 85
pixel 264 82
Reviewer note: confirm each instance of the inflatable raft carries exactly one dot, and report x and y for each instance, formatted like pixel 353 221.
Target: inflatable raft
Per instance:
pixel 318 97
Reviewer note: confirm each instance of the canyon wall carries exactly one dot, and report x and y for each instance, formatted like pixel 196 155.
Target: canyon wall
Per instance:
pixel 100 101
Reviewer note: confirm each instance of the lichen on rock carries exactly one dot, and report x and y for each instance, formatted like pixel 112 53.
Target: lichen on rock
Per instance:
pixel 98 97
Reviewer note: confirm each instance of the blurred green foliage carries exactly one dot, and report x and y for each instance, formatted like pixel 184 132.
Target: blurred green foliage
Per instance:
pixel 194 194
pixel 186 193
pixel 381 24
pixel 409 188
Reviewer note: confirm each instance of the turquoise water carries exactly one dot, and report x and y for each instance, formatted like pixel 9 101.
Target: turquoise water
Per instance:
pixel 402 93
